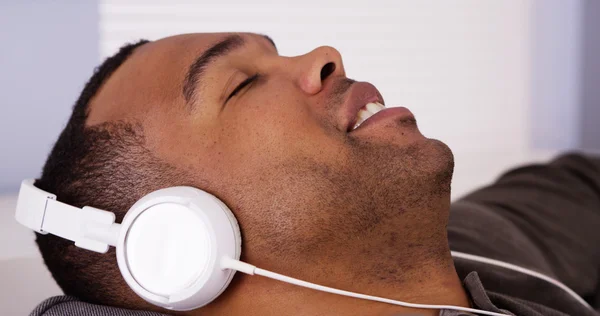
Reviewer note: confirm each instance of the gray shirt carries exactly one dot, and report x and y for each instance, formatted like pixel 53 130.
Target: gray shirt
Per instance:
pixel 543 217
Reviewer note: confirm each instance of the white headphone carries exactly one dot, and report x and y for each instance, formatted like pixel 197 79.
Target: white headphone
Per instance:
pixel 169 245
pixel 177 248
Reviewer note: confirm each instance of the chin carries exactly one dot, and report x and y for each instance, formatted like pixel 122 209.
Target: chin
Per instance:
pixel 441 163
pixel 426 163
pixel 403 160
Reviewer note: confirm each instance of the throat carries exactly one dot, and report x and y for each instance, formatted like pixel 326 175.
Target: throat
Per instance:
pixel 422 282
pixel 433 285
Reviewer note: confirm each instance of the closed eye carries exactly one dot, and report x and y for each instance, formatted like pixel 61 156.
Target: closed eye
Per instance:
pixel 242 85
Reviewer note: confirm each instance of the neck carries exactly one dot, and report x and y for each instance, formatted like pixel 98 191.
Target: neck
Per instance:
pixel 400 259
pixel 255 295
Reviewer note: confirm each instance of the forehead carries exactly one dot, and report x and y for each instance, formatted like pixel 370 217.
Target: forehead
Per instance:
pixel 153 75
pixel 196 42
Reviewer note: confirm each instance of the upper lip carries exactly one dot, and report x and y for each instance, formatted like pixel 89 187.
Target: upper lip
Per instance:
pixel 359 94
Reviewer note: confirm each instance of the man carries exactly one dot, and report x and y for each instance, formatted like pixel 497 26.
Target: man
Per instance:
pixel 322 191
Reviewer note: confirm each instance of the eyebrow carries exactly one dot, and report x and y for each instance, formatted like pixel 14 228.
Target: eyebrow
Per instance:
pixel 198 68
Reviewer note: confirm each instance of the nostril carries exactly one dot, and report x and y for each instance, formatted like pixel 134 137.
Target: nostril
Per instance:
pixel 327 70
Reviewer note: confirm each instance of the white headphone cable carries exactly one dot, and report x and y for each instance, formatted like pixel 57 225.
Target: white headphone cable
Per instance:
pixel 229 263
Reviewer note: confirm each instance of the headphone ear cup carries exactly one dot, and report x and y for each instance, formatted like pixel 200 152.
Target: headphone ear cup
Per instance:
pixel 167 247
pixel 171 245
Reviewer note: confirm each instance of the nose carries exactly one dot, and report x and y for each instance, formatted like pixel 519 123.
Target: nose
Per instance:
pixel 312 69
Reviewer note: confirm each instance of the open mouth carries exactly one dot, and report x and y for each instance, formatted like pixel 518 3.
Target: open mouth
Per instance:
pixel 365 113
pixel 363 101
pixel 364 110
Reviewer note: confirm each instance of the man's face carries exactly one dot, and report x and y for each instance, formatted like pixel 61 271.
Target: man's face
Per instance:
pixel 280 151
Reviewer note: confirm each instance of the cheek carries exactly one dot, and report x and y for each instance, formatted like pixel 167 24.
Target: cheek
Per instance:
pixel 272 119
pixel 278 126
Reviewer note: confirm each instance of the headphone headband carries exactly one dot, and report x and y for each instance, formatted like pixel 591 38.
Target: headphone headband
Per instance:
pixel 89 227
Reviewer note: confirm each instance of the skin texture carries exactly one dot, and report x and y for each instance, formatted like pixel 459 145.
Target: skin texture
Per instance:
pixel 364 211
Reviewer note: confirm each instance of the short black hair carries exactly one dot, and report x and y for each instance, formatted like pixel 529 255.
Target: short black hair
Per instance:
pixel 105 166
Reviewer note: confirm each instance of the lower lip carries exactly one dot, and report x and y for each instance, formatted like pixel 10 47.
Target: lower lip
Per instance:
pixel 388 113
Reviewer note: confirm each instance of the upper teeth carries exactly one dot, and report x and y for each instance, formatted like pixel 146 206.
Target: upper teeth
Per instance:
pixel 367 111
